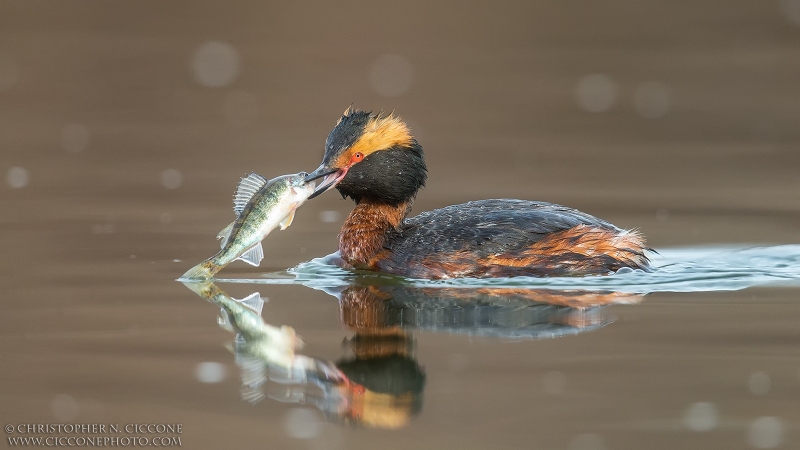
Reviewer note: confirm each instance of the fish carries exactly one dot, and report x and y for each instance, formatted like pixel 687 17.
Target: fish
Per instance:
pixel 260 205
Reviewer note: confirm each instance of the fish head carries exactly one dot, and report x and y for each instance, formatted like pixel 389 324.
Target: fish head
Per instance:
pixel 284 195
pixel 294 191
pixel 299 188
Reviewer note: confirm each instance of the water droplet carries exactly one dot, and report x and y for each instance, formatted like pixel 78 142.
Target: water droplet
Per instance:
pixel 9 72
pixel 391 75
pixel 74 138
pixel 651 99
pixel 759 383
pixel 554 382
pixel 210 372
pixel 215 64
pixel 240 108
pixel 791 10
pixel 701 416
pixel 302 423
pixel 587 441
pixel 64 407
pixel 765 432
pixel 171 178
pixel 17 177
pixel 329 216
pixel 596 93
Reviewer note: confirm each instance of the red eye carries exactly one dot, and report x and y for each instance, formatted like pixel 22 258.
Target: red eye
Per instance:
pixel 358 156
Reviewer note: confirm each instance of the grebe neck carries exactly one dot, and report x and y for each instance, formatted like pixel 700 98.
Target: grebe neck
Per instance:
pixel 365 230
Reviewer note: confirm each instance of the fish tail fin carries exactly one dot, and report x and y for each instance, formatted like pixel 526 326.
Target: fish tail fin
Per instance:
pixel 204 288
pixel 204 270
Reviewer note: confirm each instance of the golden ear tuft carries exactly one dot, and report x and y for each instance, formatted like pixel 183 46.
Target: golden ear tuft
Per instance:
pixel 385 132
pixel 380 133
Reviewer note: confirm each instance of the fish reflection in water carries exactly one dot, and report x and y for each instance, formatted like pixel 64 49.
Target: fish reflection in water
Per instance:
pixel 275 346
pixel 380 383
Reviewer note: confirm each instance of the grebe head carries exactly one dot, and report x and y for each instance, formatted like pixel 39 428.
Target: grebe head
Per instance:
pixel 372 157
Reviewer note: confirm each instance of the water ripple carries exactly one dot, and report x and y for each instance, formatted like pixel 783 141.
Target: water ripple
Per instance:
pixel 676 270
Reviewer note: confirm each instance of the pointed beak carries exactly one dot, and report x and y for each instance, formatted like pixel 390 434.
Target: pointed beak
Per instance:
pixel 332 178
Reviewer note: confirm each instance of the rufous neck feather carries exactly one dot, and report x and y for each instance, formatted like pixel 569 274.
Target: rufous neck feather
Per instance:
pixel 364 231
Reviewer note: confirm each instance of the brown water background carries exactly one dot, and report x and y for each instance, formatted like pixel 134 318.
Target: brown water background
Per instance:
pixel 125 126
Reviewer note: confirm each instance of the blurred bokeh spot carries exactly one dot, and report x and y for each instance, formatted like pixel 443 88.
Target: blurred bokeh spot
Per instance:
pixel 210 372
pixel 64 407
pixel 391 75
pixel 596 93
pixel 329 216
pixel 766 432
pixel 215 64
pixel 74 138
pixel 17 177
pixel 171 178
pixel 759 383
pixel 8 71
pixel 302 423
pixel 701 416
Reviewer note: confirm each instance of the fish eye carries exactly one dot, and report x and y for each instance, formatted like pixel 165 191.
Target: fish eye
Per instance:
pixel 299 179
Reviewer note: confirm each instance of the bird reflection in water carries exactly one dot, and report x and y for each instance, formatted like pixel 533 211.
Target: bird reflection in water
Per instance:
pixel 380 383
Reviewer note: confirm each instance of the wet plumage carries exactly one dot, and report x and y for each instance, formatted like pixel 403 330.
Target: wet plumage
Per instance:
pixel 508 238
pixel 374 160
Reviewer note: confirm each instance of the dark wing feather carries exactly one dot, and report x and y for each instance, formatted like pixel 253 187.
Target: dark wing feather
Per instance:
pixel 496 226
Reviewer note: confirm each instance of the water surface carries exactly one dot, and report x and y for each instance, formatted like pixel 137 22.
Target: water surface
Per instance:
pixel 125 126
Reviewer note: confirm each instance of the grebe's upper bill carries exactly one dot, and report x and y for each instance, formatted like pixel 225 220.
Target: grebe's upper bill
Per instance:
pixel 332 178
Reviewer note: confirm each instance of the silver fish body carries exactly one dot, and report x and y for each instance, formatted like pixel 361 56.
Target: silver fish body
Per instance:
pixel 261 206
